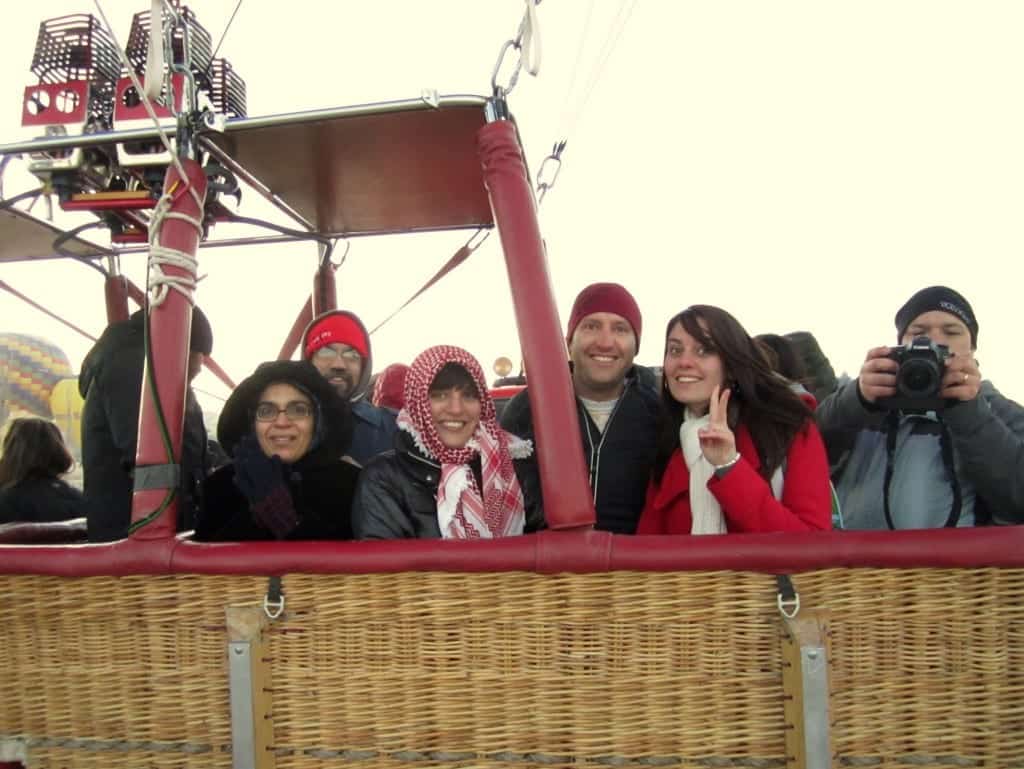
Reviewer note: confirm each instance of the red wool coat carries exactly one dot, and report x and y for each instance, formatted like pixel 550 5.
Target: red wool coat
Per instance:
pixel 745 497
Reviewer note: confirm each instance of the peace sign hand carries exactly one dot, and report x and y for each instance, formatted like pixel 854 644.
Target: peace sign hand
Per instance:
pixel 717 441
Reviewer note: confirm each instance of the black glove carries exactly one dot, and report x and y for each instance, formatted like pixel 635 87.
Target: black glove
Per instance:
pixel 262 480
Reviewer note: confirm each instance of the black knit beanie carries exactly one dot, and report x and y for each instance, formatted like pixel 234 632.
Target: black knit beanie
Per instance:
pixel 936 298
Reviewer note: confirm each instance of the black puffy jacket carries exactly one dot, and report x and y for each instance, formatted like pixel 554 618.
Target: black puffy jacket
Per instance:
pixel 111 383
pixel 397 494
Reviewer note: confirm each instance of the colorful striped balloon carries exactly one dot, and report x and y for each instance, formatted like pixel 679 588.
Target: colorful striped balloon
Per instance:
pixel 29 368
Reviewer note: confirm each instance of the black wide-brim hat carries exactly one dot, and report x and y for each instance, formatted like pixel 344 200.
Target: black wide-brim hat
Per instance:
pixel 236 418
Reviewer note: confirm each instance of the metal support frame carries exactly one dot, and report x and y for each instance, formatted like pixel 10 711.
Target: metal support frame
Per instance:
pixel 252 726
pixel 805 681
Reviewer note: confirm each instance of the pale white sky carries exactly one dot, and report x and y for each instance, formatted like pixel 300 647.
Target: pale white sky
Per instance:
pixel 806 165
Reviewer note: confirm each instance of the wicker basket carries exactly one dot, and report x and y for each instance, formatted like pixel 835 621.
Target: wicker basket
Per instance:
pixel 515 669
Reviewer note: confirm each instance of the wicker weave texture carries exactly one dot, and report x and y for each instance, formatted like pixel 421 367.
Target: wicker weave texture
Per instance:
pixel 515 669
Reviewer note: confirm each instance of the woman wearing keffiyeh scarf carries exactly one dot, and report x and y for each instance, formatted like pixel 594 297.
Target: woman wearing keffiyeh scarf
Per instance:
pixel 454 473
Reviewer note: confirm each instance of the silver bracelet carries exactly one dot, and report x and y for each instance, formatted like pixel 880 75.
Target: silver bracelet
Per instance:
pixel 728 464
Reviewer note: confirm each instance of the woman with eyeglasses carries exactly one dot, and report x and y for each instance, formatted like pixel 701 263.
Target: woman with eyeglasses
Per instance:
pixel 286 430
pixel 454 473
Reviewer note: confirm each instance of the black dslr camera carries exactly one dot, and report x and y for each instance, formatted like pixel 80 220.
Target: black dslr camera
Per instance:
pixel 919 379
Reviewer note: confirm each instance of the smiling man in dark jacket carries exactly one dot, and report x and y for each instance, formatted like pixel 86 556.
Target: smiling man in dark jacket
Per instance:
pixel 617 410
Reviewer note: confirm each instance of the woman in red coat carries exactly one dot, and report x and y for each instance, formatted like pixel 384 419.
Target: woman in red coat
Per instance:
pixel 738 449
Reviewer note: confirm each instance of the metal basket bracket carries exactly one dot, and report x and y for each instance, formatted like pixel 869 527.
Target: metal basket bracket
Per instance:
pixel 805 682
pixel 252 725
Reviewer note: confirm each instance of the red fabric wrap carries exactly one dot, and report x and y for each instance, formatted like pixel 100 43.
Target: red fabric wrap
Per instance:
pixel 546 552
pixel 169 328
pixel 325 292
pixel 294 338
pixel 389 390
pixel 567 496
pixel 336 328
pixel 115 291
pixel 51 533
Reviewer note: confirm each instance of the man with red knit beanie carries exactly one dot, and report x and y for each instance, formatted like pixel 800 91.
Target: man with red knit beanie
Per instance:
pixel 617 408
pixel 338 344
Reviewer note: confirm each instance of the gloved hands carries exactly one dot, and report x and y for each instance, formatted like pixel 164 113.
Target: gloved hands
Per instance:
pixel 261 479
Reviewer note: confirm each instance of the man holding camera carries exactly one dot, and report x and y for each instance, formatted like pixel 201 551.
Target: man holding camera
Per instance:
pixel 918 440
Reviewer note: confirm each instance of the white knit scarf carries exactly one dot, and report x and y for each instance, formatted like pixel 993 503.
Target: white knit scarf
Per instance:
pixel 705 511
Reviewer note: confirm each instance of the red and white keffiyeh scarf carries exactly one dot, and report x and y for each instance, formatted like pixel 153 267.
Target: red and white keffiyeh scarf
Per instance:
pixel 463 512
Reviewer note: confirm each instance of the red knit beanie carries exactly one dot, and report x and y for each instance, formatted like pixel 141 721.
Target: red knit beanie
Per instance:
pixel 389 390
pixel 604 297
pixel 335 327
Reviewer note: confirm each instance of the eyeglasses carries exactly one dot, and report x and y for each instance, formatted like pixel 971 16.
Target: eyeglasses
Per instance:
pixel 330 352
pixel 294 411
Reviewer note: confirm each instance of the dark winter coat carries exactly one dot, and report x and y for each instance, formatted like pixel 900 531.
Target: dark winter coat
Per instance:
pixel 619 459
pixel 373 431
pixel 321 489
pixel 397 494
pixel 41 500
pixel 111 383
pixel 321 485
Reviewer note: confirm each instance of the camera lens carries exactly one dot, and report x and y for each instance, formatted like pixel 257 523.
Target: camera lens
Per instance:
pixel 919 378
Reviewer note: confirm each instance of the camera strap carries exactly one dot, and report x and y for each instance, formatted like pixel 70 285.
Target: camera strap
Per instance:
pixel 892 427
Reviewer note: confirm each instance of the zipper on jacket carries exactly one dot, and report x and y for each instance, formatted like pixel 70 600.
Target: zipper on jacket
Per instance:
pixel 595 453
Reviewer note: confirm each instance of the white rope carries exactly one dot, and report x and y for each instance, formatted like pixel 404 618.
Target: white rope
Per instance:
pixel 160 284
pixel 571 117
pixel 576 67
pixel 531 39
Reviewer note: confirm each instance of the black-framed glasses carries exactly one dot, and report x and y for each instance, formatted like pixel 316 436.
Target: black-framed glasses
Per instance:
pixel 330 352
pixel 293 411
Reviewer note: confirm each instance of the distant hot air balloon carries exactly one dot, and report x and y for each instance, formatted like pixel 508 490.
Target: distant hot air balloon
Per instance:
pixel 30 367
pixel 67 403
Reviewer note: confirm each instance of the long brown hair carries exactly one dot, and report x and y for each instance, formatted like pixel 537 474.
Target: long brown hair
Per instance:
pixel 33 448
pixel 764 403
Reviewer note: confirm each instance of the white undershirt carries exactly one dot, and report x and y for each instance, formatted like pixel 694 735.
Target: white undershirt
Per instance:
pixel 599 411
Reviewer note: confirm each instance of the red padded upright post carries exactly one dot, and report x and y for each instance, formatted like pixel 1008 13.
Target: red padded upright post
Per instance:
pixel 325 291
pixel 115 289
pixel 567 498
pixel 169 327
pixel 294 338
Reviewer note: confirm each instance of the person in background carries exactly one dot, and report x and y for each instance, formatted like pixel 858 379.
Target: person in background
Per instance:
pixel 454 473
pixel 337 344
pixel 286 430
pixel 782 357
pixel 31 488
pixel 617 410
pixel 738 450
pixel 111 383
pixel 389 387
pixel 819 376
pixel 955 459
